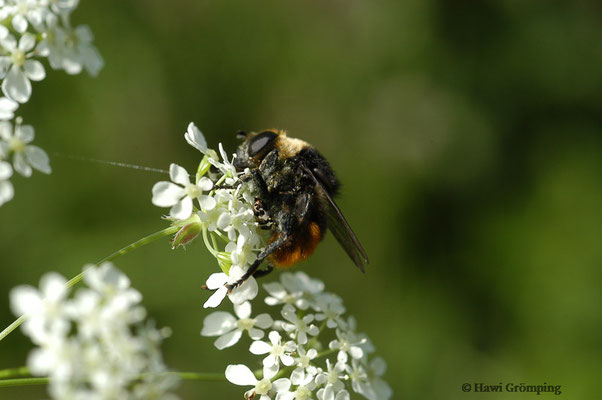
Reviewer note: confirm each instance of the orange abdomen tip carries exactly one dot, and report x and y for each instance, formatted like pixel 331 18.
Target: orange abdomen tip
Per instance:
pixel 300 246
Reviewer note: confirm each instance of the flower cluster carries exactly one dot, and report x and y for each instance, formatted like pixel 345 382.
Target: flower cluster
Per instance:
pixel 95 345
pixel 312 349
pixel 218 205
pixel 31 30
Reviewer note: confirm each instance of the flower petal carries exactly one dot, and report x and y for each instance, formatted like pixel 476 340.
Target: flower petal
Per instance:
pixel 207 202
pixel 6 171
pixel 227 340
pixel 16 85
pixel 7 192
pixel 20 24
pixel 218 323
pixel 25 299
pixel 167 194
pixel 216 280
pixel 240 374
pixel 256 334
pixel 243 310
pixel 195 138
pixel 246 291
pixel 20 164
pixel 260 347
pixel 7 108
pixel 216 298
pixel 263 321
pixel 182 209
pixel 27 41
pixel 38 159
pixel 24 133
pixel 281 385
pixel 205 184
pixel 179 175
pixel 34 70
pixel 53 286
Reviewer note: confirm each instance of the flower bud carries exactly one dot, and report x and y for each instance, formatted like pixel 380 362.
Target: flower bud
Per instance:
pixel 188 232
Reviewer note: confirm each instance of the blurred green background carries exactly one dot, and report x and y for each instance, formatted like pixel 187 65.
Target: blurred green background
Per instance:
pixel 467 136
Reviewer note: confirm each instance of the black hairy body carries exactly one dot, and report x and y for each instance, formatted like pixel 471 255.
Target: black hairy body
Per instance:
pixel 294 186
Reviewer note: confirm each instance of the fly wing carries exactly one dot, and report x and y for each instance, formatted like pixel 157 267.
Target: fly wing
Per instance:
pixel 340 228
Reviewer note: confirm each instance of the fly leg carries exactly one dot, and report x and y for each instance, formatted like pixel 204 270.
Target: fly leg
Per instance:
pixel 269 249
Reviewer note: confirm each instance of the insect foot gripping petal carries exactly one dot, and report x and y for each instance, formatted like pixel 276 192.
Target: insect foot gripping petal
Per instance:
pixel 269 249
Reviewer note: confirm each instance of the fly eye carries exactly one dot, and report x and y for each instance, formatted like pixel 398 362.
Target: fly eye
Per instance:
pixel 260 142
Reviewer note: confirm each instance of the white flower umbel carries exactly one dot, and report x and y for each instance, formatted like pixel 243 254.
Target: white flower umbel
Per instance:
pixel 328 361
pixel 95 345
pixel 16 143
pixel 217 205
pixel 32 30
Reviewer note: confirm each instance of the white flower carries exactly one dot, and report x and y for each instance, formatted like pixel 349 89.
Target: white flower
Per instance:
pixel 299 327
pixel 331 307
pixel 20 67
pixel 376 369
pixel 63 6
pixel 82 52
pixel 219 283
pixel 6 188
pixel 180 195
pixel 297 289
pixel 277 351
pixel 241 375
pixel 229 329
pixel 242 252
pixel 348 344
pixel 359 380
pixel 305 386
pixel 226 167
pixel 304 363
pixel 333 379
pixel 25 155
pixel 25 11
pixel 44 309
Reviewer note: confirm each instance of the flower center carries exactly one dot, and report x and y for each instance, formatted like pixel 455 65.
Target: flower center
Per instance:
pixel 18 58
pixel 304 361
pixel 302 393
pixel 333 377
pixel 245 323
pixel 302 326
pixel 193 191
pixel 263 386
pixel 22 8
pixel 277 350
pixel 16 145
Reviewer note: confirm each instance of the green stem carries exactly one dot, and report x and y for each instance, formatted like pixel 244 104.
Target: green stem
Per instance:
pixel 200 376
pixel 207 244
pixel 20 371
pixel 23 382
pixel 191 376
pixel 145 240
